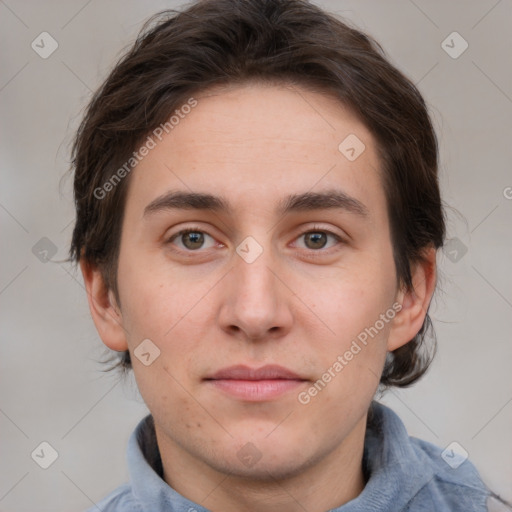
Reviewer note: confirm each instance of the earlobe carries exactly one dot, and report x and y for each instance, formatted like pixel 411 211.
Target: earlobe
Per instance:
pixel 415 301
pixel 105 312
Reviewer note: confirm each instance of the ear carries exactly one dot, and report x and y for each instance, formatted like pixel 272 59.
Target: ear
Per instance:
pixel 415 301
pixel 104 309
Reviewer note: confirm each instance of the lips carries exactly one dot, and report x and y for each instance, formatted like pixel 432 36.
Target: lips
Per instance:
pixel 255 384
pixel 268 372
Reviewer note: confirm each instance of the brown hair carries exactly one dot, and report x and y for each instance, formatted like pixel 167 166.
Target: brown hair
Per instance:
pixel 215 42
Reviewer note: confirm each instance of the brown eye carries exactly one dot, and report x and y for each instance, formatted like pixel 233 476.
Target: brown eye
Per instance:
pixel 192 240
pixel 315 240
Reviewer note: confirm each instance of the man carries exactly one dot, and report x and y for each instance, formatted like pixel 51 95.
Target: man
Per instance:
pixel 258 215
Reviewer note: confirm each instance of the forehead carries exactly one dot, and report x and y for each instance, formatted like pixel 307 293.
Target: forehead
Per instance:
pixel 256 142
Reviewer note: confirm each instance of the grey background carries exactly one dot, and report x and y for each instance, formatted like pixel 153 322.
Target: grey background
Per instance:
pixel 52 388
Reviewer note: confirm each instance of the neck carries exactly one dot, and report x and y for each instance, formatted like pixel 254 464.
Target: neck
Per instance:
pixel 329 482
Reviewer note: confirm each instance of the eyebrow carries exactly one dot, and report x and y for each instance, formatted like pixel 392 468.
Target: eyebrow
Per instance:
pixel 307 201
pixel 327 200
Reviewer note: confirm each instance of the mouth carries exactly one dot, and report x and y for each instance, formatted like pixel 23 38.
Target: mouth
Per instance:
pixel 255 384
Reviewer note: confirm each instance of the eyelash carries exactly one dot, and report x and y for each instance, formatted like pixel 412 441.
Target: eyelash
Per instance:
pixel 314 253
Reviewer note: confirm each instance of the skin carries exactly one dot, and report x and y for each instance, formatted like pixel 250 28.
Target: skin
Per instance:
pixel 297 305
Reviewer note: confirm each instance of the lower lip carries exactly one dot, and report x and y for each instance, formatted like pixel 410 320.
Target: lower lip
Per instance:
pixel 256 390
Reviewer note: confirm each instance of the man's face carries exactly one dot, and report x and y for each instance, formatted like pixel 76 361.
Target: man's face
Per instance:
pixel 258 284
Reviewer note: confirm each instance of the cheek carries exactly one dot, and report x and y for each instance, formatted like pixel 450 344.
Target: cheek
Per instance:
pixel 153 300
pixel 177 316
pixel 358 314
pixel 353 301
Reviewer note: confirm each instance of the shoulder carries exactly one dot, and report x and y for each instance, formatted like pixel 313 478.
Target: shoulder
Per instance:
pixel 416 475
pixel 455 484
pixel 119 500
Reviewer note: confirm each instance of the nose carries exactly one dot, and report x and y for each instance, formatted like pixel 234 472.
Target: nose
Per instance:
pixel 256 302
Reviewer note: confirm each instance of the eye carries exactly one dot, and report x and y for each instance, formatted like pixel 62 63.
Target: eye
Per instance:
pixel 319 239
pixel 192 239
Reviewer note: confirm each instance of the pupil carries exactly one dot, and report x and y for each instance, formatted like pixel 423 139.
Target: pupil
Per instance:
pixel 196 240
pixel 318 239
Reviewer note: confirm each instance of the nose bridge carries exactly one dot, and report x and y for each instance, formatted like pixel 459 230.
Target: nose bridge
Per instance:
pixel 254 282
pixel 255 301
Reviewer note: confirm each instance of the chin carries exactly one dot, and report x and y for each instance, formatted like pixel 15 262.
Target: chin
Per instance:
pixel 265 459
pixel 280 467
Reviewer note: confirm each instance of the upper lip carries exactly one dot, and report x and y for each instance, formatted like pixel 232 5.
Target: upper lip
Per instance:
pixel 267 372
